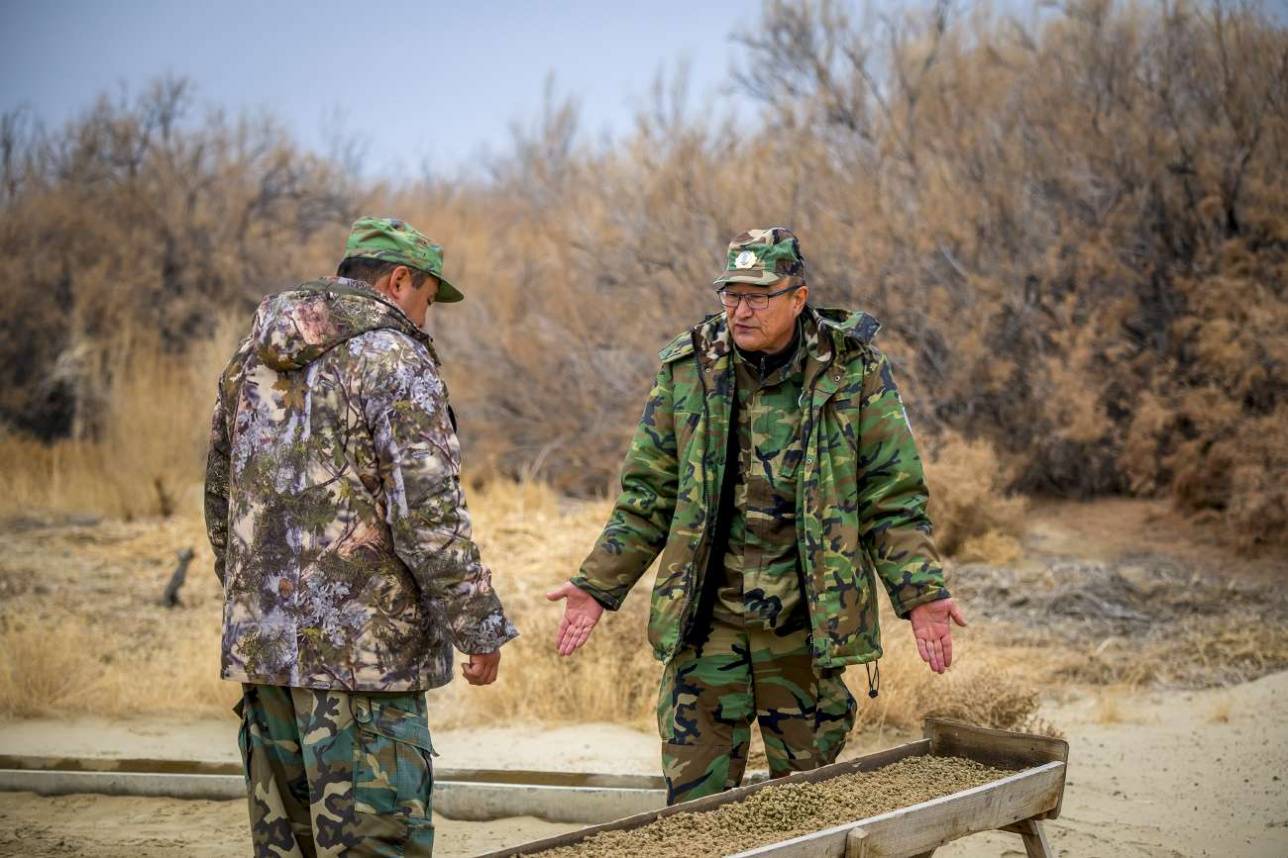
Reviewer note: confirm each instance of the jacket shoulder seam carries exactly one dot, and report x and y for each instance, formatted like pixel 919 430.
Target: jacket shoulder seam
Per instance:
pixel 679 347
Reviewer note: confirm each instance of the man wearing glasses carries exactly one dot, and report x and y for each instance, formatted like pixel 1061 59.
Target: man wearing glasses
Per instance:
pixel 775 473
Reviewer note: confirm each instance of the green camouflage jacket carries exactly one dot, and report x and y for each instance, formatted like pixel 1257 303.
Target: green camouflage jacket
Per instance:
pixel 860 500
pixel 334 504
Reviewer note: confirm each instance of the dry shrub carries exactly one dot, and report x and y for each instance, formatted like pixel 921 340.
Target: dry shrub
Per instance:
pixel 979 690
pixel 139 215
pixel 1119 663
pixel 991 547
pixel 990 696
pixel 974 517
pixel 1235 472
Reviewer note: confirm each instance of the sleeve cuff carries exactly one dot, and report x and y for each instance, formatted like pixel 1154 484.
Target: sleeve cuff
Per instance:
pixel 609 600
pixel 488 636
pixel 903 605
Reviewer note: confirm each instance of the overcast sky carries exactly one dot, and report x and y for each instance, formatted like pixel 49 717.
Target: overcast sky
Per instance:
pixel 427 83
pixel 419 82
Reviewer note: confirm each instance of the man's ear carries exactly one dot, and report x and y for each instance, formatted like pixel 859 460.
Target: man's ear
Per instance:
pixel 401 279
pixel 800 296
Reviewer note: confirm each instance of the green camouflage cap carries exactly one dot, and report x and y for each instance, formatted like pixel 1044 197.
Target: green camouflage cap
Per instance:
pixel 393 240
pixel 763 256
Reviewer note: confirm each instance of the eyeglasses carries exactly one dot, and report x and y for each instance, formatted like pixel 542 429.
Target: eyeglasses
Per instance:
pixel 755 300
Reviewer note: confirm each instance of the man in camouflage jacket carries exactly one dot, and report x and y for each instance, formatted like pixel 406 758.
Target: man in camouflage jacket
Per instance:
pixel 775 473
pixel 342 541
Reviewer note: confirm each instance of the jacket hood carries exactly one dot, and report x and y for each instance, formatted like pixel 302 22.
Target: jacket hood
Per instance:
pixel 296 327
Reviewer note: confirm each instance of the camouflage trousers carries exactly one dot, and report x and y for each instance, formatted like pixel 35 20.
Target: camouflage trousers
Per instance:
pixel 712 692
pixel 336 772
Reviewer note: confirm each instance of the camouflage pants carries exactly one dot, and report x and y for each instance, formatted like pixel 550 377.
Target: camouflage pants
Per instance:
pixel 336 772
pixel 711 693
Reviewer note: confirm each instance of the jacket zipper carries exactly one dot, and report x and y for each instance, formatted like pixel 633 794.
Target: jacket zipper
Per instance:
pixel 811 416
pixel 700 556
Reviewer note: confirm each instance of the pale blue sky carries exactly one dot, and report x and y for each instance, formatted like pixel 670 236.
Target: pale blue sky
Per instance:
pixel 427 83
pixel 454 75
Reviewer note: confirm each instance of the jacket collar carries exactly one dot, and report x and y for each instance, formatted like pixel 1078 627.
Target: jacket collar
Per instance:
pixel 826 333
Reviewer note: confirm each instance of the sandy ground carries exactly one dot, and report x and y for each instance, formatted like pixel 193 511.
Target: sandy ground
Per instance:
pixel 1167 773
pixel 1153 773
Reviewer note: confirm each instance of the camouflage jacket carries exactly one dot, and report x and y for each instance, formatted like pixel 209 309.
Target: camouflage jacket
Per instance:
pixel 334 504
pixel 860 501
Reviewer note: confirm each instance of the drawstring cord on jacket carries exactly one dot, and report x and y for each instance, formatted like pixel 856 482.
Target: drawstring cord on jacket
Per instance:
pixel 873 684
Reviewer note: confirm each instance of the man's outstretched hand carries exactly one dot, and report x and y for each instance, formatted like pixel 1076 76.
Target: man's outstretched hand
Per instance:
pixel 482 668
pixel 931 628
pixel 581 612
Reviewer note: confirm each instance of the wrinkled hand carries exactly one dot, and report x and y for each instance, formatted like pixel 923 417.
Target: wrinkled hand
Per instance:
pixel 482 668
pixel 580 615
pixel 933 632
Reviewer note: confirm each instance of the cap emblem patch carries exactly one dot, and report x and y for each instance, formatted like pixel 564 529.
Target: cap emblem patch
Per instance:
pixel 746 259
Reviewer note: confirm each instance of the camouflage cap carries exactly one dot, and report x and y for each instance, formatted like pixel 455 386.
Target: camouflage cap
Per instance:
pixel 763 256
pixel 393 240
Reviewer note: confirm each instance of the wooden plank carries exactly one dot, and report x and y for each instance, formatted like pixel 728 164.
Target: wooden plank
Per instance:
pixel 856 843
pixel 200 786
pixel 1001 748
pixel 1036 844
pixel 866 763
pixel 520 777
pixel 926 826
pixel 453 799
pixel 480 801
pixel 120 764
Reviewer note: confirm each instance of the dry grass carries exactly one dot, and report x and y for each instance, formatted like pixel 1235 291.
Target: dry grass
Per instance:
pixel 43 669
pixel 82 632
pixel 1221 649
pixel 72 666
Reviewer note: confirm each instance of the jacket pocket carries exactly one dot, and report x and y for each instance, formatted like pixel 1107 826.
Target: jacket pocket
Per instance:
pixel 393 773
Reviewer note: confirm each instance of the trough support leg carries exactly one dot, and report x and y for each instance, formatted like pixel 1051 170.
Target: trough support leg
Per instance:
pixel 1036 844
pixel 856 843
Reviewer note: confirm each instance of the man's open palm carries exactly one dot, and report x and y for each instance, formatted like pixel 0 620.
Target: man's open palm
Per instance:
pixel 581 612
pixel 931 628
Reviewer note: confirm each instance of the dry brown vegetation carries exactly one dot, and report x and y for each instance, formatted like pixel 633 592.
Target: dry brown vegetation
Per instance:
pixel 82 630
pixel 1073 228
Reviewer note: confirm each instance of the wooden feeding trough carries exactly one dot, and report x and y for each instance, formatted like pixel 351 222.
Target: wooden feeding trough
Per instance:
pixel 1017 803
